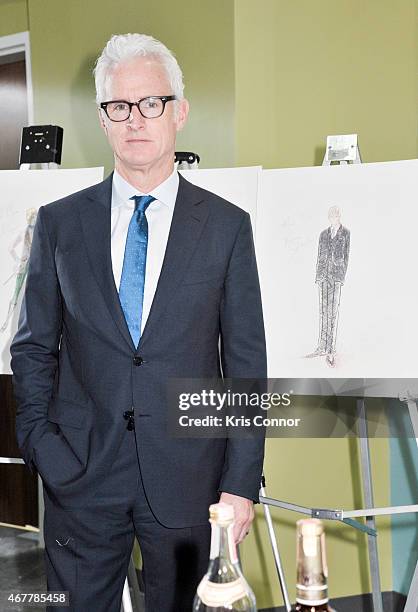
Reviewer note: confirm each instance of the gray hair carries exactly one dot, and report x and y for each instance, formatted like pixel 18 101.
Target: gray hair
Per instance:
pixel 124 47
pixel 334 211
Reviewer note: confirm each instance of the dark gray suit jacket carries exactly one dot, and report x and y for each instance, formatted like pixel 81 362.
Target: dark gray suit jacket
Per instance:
pixel 75 365
pixel 333 254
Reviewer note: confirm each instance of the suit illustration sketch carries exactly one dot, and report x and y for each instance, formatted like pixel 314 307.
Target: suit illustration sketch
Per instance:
pixel 331 269
pixel 21 262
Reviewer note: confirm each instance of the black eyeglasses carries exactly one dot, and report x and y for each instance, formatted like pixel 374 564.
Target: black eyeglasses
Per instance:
pixel 150 107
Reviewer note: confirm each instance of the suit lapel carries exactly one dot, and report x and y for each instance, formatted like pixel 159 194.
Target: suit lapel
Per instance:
pixel 95 219
pixel 190 214
pixel 189 217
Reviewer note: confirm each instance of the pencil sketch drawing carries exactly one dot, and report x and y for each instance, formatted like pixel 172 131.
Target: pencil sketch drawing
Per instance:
pixel 331 269
pixel 21 259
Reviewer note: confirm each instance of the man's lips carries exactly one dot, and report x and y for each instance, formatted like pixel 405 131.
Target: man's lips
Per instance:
pixel 137 140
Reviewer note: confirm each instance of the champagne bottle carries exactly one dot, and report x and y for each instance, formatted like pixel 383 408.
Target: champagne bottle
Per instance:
pixel 312 570
pixel 223 587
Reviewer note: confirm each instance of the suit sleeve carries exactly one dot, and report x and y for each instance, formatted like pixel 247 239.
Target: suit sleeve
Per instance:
pixel 319 260
pixel 243 355
pixel 346 252
pixel 35 346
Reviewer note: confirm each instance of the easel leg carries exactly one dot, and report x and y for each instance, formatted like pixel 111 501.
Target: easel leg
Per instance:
pixel 126 598
pixel 411 602
pixel 276 554
pixel 41 511
pixel 368 499
pixel 137 603
pixel 413 413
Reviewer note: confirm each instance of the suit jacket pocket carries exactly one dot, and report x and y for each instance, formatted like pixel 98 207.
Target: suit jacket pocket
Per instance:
pixel 62 456
pixel 56 461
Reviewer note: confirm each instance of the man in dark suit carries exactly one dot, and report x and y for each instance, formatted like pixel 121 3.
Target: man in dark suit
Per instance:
pixel 130 283
pixel 331 269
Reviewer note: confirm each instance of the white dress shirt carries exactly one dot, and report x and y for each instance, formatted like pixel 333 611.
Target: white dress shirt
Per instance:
pixel 159 215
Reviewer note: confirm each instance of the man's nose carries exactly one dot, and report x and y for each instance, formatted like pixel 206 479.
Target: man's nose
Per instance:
pixel 135 118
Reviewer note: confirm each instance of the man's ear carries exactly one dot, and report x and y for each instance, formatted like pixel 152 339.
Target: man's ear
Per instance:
pixel 182 113
pixel 102 120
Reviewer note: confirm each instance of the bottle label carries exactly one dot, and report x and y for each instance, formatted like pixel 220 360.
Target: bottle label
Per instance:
pixel 313 595
pixel 312 602
pixel 215 594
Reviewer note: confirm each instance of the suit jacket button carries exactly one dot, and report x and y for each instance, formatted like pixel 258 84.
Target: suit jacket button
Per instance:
pixel 138 360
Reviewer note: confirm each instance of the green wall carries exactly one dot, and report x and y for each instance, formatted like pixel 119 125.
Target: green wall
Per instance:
pixel 307 69
pixel 13 17
pixel 67 37
pixel 267 82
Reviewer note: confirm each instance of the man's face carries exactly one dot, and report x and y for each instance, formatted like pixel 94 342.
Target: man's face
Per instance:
pixel 334 219
pixel 141 143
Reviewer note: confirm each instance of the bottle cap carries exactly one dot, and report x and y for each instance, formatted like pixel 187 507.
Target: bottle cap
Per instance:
pixel 221 512
pixel 310 527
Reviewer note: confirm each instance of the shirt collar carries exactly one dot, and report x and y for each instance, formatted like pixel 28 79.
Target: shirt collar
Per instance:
pixel 165 192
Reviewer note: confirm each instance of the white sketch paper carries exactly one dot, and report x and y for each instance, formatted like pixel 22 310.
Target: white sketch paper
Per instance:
pixel 19 250
pixel 376 331
pixel 238 185
pixel 23 191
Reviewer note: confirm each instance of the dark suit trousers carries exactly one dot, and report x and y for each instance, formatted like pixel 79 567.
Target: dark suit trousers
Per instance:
pixel 87 549
pixel 329 303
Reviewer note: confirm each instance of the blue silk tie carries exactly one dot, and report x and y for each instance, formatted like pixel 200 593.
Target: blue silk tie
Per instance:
pixel 131 288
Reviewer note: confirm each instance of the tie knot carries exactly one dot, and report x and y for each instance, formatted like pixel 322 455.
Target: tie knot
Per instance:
pixel 142 202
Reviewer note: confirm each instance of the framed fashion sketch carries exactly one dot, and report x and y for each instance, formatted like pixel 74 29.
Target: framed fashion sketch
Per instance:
pixel 336 251
pixel 23 191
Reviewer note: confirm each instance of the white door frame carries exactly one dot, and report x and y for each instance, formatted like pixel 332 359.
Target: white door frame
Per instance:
pixel 20 43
